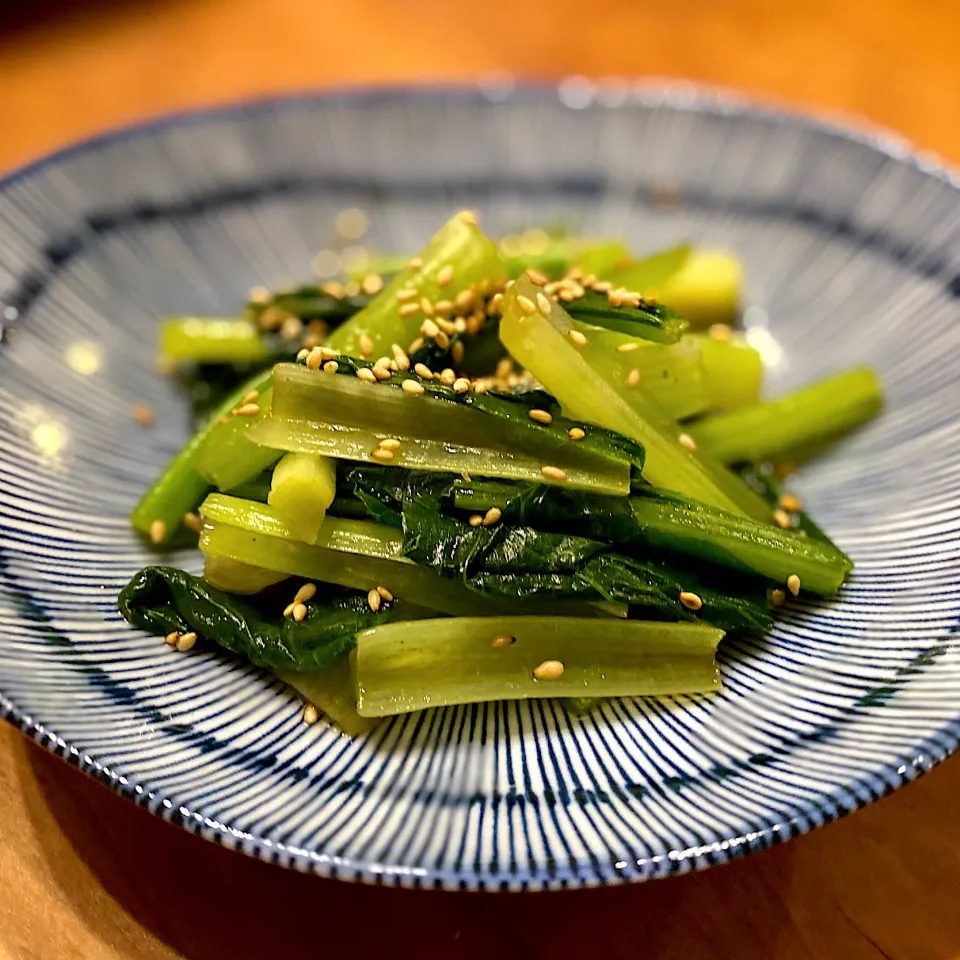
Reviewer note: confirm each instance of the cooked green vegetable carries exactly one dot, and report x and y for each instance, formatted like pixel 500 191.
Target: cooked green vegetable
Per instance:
pixel 232 576
pixel 341 416
pixel 409 667
pixel 332 691
pixel 302 488
pixel 705 290
pixel 543 343
pixel 211 340
pixel 649 321
pixel 809 417
pixel 642 276
pixel 161 600
pixel 458 249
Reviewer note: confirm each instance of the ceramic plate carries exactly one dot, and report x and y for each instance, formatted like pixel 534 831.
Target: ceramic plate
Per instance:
pixel 851 246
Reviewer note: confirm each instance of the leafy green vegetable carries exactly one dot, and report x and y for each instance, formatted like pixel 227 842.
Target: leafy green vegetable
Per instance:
pixel 651 321
pixel 161 600
pixel 212 340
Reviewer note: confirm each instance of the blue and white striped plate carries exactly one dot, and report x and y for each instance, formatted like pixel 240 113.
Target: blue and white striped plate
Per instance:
pixel 852 253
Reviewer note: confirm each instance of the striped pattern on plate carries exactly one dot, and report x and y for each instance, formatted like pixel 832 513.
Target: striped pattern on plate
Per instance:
pixel 852 253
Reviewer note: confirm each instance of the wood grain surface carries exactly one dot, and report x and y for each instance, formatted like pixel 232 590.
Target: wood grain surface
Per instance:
pixel 85 874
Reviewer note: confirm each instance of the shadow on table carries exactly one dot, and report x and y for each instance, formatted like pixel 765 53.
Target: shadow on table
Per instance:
pixel 206 902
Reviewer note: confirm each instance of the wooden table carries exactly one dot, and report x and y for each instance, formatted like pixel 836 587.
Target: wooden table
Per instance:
pixel 86 874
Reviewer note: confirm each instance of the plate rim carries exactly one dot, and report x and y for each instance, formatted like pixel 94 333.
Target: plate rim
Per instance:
pixel 574 93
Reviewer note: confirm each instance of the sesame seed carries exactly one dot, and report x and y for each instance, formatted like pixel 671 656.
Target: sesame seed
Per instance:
pixel 685 440
pixel 465 298
pixel 465 475
pixel 575 433
pixel 566 295
pixel 442 340
pixel 143 415
pixel 460 325
pixel 299 612
pixel 272 318
pixel 171 639
pixel 778 598
pixel 381 370
pixel 333 288
pixel 314 358
pixel 385 593
pixel 416 263
pixel 223 418
pixel 447 326
pixel 186 641
pixel 627 347
pixel 554 473
pixel 409 309
pixel 468 216
pixel 447 377
pixel 548 670
pixel 427 307
pixel 578 338
pixel 633 378
pixel 372 284
pixel 382 454
pixel 541 416
pixel 365 373
pixel 390 443
pixel 614 298
pixel 259 294
pixel 422 370
pixel 781 518
pixel 303 354
pixel 502 640
pixel 400 356
pixel 526 305
pixel 719 331
pixel 306 593
pixel 192 522
pixel 491 517
pixel 691 600
pixel 288 609
pixel 407 293
pixel 331 366
pixel 158 530
pixel 476 520
pixel 504 369
pixel 251 396
pixel 461 385
pixel 291 328
pixel 604 286
pixel 496 304
pixel 310 715
pixel 416 345
pixel 789 502
pixel 456 352
pixel 374 600
pixel 248 410
pixel 480 387
pixel 793 584
pixel 429 329
pixel 537 277
pixel 328 353
pixel 413 386
pixel 443 306
pixel 366 345
pixel 445 275
pixel 543 302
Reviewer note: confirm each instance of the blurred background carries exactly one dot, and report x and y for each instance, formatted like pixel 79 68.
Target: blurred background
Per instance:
pixel 69 68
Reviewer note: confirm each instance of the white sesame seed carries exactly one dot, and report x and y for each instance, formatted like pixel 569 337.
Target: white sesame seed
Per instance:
pixel 416 345
pixel 328 353
pixel 333 288
pixel 385 593
pixel 460 325
pixel 543 302
pixel 502 640
pixel 303 354
pixel 496 304
pixel 793 584
pixel 476 520
pixel 251 396
pixel 400 356
pixel 553 473
pixel 526 305
pixel 442 340
pixel 427 307
pixel 781 518
pixel 390 443
pixel 456 352
pixel 461 385
pixel 409 309
pixel 288 609
pixel 536 276
pixel 447 377
pixel 575 433
pixel 171 639
pixel 412 386
pixel 365 373
pixel 491 517
pixel 158 530
pixel 331 366
pixel 685 440
pixel 445 275
pixel 248 410
pixel 548 670
pixel 422 370
pixel 627 347
pixel 382 370
pixel 372 284
pixel 382 454
pixel 407 293
pixel 259 294
pixel 789 502
pixel 310 715
pixel 315 358
pixel 186 641
pixel 465 298
pixel 429 329
pixel 374 600
pixel 468 216
pixel 778 598
pixel 604 286
pixel 633 378
pixel 299 612
pixel 291 328
pixel 143 415
pixel 541 416
pixel 416 263
pixel 690 600
pixel 192 522
pixel 305 594
pixel 480 387
pixel 719 331
pixel 443 306
pixel 366 344
pixel 578 338
pixel 447 326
